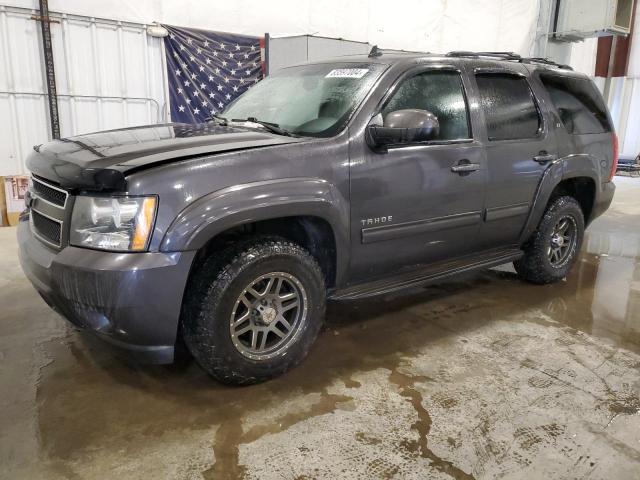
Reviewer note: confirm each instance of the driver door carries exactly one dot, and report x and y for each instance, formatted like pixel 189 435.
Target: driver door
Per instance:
pixel 408 207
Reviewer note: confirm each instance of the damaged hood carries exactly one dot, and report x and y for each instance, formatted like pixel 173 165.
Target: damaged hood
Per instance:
pixel 100 161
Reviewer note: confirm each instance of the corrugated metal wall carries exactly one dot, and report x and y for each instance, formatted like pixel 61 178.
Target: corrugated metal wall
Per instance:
pixel 109 74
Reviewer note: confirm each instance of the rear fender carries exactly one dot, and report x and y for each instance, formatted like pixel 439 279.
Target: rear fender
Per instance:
pixel 571 166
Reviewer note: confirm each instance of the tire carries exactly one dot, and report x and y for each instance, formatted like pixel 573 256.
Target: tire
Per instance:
pixel 219 297
pixel 539 264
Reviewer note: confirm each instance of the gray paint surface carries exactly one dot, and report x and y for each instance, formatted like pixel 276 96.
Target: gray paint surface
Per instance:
pixel 210 178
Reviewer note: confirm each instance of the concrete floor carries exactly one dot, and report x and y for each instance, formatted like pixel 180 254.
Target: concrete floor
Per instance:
pixel 482 377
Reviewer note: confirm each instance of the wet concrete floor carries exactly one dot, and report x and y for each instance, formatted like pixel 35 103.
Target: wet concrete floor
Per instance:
pixel 481 377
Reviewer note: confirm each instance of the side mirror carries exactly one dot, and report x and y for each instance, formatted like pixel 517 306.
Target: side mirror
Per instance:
pixel 404 126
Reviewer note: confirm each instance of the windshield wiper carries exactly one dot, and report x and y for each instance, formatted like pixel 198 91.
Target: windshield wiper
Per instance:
pixel 222 120
pixel 272 127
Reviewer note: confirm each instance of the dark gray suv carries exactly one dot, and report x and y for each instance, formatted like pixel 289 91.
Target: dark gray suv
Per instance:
pixel 342 179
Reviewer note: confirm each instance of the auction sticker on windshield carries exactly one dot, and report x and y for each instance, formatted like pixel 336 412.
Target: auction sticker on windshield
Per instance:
pixel 347 73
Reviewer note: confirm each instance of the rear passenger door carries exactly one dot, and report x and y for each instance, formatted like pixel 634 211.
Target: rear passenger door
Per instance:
pixel 519 147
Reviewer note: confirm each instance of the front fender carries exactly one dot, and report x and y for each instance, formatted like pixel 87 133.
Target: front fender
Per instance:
pixel 239 204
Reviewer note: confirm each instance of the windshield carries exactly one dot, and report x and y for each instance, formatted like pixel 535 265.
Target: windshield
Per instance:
pixel 313 100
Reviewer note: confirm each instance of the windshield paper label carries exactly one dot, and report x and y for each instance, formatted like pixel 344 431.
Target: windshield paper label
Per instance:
pixel 347 73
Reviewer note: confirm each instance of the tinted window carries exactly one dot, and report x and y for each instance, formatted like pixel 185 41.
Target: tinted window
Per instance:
pixel 508 106
pixel 440 93
pixel 578 103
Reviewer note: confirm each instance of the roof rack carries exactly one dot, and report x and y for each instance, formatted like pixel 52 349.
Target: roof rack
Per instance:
pixel 545 61
pixel 500 55
pixel 508 56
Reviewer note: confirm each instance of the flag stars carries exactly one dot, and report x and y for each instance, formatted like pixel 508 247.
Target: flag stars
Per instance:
pixel 222 45
pixel 253 47
pixel 215 53
pixel 228 96
pixel 181 108
pixel 205 103
pixel 237 47
pixel 190 41
pixel 211 95
pixel 247 72
pixel 220 87
pixel 220 104
pixel 246 56
pixel 188 101
pixel 199 50
pixel 203 85
pixel 187 83
pixel 178 72
pixel 206 43
pixel 235 88
pixel 217 70
pixel 196 111
pixel 193 76
pixel 224 63
pixel 233 72
pixel 201 68
pixel 208 61
pixel 211 78
pixel 181 47
pixel 180 90
pixel 192 58
pixel 196 93
pixel 230 54
pixel 226 79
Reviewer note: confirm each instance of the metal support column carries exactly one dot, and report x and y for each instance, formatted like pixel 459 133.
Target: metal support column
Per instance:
pixel 50 74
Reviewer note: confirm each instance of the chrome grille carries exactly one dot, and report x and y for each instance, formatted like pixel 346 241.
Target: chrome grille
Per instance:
pixel 47 229
pixel 49 193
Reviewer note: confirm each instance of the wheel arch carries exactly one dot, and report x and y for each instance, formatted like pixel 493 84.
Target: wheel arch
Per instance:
pixel 308 211
pixel 569 176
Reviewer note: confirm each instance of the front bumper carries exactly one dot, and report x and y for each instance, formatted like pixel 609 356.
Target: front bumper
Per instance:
pixel 131 300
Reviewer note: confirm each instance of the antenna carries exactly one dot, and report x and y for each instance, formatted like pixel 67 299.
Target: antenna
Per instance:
pixel 375 52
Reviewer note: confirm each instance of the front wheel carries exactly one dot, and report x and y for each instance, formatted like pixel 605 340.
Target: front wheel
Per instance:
pixel 253 311
pixel 554 246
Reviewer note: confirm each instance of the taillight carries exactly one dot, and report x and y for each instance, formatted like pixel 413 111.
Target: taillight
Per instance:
pixel 614 163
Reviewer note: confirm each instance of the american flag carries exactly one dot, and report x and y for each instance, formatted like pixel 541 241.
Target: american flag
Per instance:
pixel 207 70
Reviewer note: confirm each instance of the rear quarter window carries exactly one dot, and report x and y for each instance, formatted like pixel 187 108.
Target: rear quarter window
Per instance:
pixel 508 105
pixel 578 103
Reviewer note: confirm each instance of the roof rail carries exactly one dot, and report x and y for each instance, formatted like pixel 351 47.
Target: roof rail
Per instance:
pixel 545 61
pixel 508 56
pixel 499 55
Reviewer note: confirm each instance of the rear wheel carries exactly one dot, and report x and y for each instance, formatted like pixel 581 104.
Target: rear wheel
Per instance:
pixel 253 311
pixel 554 246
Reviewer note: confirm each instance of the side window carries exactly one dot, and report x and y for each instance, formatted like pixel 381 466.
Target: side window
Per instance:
pixel 508 105
pixel 578 103
pixel 439 92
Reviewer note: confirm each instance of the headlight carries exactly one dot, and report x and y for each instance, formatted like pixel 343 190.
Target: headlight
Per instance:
pixel 113 223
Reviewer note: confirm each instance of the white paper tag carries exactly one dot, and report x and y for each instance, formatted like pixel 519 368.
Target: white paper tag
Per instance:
pixel 347 73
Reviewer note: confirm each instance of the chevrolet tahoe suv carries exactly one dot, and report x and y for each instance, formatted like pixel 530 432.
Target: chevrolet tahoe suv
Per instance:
pixel 341 179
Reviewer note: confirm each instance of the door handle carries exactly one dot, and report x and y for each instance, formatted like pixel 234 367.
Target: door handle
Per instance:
pixel 464 166
pixel 544 157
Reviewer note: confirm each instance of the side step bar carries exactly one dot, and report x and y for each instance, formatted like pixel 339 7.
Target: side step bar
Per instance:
pixel 430 274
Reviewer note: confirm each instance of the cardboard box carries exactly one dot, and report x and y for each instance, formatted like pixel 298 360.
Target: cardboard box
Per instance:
pixel 3 205
pixel 15 187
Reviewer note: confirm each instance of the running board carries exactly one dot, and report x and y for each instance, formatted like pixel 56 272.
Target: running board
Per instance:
pixel 433 273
